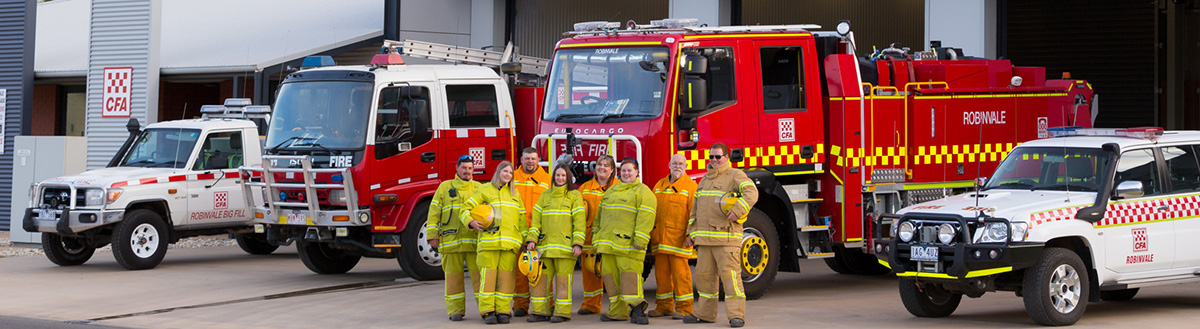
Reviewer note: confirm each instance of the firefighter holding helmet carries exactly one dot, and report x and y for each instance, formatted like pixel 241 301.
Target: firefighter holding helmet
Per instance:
pixel 724 198
pixel 501 231
pixel 556 234
pixel 675 194
pixel 452 238
pixel 621 235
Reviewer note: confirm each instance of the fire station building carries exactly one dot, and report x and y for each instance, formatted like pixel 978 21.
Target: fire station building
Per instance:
pixel 86 67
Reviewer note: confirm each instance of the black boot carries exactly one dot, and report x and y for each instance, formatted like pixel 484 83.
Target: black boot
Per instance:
pixel 537 318
pixel 490 318
pixel 559 319
pixel 503 318
pixel 638 314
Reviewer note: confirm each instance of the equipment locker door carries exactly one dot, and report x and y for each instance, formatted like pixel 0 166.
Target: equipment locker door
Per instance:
pixel 476 124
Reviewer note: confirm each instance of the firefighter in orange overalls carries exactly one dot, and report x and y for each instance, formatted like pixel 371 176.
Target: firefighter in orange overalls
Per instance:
pixel 667 242
pixel 593 190
pixel 531 180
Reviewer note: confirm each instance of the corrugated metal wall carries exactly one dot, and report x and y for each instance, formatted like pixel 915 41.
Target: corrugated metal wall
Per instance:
pixel 16 78
pixel 875 23
pixel 1108 43
pixel 539 24
pixel 121 36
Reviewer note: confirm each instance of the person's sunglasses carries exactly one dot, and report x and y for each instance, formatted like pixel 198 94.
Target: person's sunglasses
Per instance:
pixel 715 157
pixel 466 158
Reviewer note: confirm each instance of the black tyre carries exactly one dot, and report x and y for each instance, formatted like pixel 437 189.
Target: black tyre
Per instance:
pixel 416 257
pixel 1056 288
pixel 760 254
pixel 321 258
pixel 255 244
pixel 140 240
pixel 66 251
pixel 837 264
pixel 928 300
pixel 860 262
pixel 1118 295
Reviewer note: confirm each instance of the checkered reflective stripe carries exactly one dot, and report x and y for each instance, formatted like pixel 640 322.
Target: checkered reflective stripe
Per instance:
pixel 1127 213
pixel 761 156
pixel 176 178
pixel 962 153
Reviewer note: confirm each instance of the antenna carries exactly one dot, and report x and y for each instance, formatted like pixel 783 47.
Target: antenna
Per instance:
pixel 978 165
pixel 1066 165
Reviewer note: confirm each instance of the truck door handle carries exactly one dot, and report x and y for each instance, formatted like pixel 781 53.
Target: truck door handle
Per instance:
pixel 1163 208
pixel 428 157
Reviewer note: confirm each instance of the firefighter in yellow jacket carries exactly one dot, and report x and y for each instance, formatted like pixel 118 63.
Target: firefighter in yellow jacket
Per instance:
pixel 667 241
pixel 450 236
pixel 593 190
pixel 531 180
pixel 557 235
pixel 723 200
pixel 621 236
pixel 498 243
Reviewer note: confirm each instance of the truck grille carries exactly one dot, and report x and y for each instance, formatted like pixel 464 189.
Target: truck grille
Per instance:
pixel 59 198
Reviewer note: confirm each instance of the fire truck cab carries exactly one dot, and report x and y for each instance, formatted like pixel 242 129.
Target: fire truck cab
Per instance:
pixel 355 153
pixel 171 180
pixel 1062 222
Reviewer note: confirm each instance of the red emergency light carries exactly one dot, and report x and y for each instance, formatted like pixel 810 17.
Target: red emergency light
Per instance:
pixel 387 59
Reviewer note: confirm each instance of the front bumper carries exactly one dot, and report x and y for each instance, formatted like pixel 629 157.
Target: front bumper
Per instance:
pixel 68 221
pixel 302 217
pixel 962 260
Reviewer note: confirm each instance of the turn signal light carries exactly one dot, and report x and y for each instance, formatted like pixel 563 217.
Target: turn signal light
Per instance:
pixel 386 198
pixel 341 218
pixel 258 215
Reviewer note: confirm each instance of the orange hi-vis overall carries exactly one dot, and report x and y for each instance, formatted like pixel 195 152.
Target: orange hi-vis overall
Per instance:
pixel 530 187
pixel 593 287
pixel 667 240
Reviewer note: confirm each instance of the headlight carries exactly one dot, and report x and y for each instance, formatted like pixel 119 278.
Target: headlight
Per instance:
pixel 905 232
pixel 992 233
pixel 93 198
pixel 946 233
pixel 1020 231
pixel 337 197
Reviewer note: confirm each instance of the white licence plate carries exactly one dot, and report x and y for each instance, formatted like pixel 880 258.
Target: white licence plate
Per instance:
pixel 297 219
pixel 47 214
pixel 924 254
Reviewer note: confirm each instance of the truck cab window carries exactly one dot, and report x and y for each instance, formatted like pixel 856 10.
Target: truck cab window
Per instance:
pixel 1182 167
pixel 1139 165
pixel 222 150
pixel 402 120
pixel 472 106
pixel 720 78
pixel 783 78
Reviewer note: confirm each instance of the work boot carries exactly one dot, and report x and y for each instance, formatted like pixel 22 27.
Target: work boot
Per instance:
pixel 490 318
pixel 737 323
pixel 638 314
pixel 558 319
pixel 655 314
pixel 693 319
pixel 584 311
pixel 503 318
pixel 520 312
pixel 605 318
pixel 677 316
pixel 537 318
pixel 456 317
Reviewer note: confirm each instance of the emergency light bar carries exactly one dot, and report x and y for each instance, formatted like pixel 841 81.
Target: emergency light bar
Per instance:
pixel 317 61
pixel 1150 133
pixel 236 108
pixel 386 59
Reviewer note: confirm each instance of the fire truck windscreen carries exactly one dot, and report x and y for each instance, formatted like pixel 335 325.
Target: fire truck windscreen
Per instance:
pixel 1052 168
pixel 618 84
pixel 161 148
pixel 323 115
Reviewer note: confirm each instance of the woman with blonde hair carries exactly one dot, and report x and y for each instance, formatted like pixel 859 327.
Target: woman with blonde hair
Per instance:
pixel 498 243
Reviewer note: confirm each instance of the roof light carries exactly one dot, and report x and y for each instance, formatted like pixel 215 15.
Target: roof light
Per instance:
pixel 387 59
pixel 317 61
pixel 675 23
pixel 238 102
pixel 843 27
pixel 1150 133
pixel 596 26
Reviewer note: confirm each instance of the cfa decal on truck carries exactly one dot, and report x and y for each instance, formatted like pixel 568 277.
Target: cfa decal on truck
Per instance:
pixel 787 130
pixel 221 200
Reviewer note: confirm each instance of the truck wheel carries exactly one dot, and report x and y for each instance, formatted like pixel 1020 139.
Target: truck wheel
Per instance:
pixel 321 258
pixel 837 264
pixel 140 241
pixel 1111 295
pixel 419 260
pixel 255 244
pixel 760 254
pixel 1056 288
pixel 860 262
pixel 928 300
pixel 66 251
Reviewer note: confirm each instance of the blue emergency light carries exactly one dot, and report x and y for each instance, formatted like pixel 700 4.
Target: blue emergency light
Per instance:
pixel 317 61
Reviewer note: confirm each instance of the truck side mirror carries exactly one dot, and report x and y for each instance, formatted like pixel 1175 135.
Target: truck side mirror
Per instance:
pixel 694 92
pixel 981 181
pixel 695 64
pixel 1130 189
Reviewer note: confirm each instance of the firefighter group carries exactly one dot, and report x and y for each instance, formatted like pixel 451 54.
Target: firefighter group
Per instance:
pixel 521 234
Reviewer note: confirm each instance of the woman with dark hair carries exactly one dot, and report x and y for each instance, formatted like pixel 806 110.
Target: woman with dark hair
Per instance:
pixel 624 221
pixel 557 234
pixel 498 243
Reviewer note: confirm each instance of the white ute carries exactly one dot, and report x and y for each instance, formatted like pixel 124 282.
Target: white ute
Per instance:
pixel 177 179
pixel 1063 221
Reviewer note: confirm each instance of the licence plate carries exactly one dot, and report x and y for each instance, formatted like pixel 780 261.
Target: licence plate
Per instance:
pixel 47 214
pixel 924 254
pixel 297 219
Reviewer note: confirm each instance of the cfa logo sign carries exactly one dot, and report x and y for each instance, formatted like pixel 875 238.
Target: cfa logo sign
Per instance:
pixel 1139 240
pixel 221 200
pixel 477 155
pixel 117 84
pixel 787 130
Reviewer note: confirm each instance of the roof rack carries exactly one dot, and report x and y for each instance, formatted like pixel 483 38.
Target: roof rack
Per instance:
pixel 236 108
pixel 466 55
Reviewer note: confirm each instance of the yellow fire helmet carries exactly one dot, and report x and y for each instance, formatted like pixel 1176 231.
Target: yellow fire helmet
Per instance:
pixel 729 201
pixel 530 264
pixel 591 263
pixel 484 214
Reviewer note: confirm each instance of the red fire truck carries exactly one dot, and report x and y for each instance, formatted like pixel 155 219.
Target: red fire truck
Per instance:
pixel 831 138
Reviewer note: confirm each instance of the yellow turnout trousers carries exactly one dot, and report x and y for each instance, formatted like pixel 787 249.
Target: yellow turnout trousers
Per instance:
pixel 722 263
pixel 560 270
pixel 622 283
pixel 456 295
pixel 497 278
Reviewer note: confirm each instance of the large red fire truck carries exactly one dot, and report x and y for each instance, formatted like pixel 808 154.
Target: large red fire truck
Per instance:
pixel 831 138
